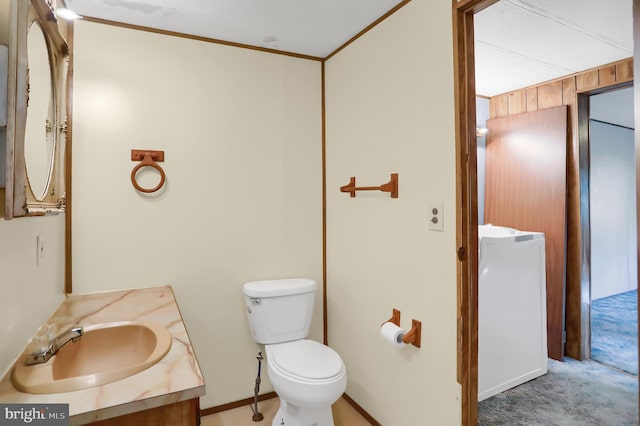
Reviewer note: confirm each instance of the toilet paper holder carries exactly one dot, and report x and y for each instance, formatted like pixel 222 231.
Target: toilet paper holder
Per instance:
pixel 395 318
pixel 413 337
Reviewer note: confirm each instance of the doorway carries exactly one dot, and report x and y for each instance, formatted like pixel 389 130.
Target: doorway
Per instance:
pixel 613 245
pixel 464 11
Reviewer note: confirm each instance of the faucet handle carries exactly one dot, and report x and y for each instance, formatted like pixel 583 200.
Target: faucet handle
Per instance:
pixel 51 331
pixel 39 344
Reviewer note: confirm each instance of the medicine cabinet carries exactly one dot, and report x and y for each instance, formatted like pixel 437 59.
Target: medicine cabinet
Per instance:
pixel 36 129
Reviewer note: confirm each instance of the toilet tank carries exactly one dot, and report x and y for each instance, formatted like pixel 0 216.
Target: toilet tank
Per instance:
pixel 279 310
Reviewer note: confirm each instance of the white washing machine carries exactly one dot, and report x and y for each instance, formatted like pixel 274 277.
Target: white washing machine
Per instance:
pixel 512 308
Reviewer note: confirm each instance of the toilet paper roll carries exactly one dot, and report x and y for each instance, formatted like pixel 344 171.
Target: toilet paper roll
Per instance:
pixel 392 334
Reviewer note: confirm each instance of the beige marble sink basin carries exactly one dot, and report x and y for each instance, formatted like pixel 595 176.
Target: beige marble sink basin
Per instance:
pixel 104 354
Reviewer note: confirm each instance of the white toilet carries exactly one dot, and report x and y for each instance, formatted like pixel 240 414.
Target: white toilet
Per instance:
pixel 307 376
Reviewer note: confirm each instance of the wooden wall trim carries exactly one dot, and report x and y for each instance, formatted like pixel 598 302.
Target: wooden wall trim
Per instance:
pixel 68 240
pixel 578 309
pixel 199 38
pixel 248 46
pixel 601 76
pixel 324 209
pixel 236 404
pixel 574 237
pixel 368 28
pixel 368 417
pixel 271 395
pixel 472 6
pixel 466 205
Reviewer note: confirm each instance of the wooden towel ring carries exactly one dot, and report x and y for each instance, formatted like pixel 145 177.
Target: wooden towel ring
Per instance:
pixel 149 159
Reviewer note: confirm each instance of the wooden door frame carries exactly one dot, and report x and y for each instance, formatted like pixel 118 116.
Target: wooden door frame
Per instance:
pixel 467 203
pixel 467 198
pixel 583 111
pixel 636 112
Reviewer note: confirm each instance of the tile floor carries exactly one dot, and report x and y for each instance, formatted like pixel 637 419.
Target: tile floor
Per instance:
pixel 343 415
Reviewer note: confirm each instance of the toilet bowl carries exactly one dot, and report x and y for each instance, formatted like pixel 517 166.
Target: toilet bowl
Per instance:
pixel 307 375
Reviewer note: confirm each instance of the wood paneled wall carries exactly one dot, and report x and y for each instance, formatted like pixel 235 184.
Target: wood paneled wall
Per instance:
pixel 554 93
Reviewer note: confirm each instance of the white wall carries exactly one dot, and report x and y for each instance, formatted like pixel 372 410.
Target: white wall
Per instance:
pixel 615 107
pixel 241 131
pixel 389 103
pixel 612 210
pixel 30 293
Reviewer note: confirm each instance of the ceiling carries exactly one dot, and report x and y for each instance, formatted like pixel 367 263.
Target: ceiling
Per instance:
pixel 518 42
pixel 306 27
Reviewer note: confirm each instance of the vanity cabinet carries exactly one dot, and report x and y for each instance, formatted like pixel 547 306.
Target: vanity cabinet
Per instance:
pixel 165 394
pixel 185 413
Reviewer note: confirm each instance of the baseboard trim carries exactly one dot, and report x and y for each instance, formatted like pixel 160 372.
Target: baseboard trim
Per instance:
pixel 269 395
pixel 236 404
pixel 361 410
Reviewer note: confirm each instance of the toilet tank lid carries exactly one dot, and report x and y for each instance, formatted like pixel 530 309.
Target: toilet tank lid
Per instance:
pixel 283 287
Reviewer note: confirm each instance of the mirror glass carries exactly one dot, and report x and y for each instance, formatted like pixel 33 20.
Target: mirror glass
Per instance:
pixel 40 125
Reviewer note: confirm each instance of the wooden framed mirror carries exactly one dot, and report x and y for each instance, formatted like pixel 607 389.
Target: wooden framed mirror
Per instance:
pixel 36 111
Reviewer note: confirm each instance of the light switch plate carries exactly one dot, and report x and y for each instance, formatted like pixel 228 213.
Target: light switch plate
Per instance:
pixel 436 216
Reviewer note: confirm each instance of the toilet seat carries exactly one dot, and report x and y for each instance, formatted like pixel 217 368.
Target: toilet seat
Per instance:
pixel 305 360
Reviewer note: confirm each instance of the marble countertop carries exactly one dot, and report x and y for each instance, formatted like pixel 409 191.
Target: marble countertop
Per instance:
pixel 175 378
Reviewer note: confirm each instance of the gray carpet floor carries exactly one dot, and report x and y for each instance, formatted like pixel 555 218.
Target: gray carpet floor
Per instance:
pixel 576 393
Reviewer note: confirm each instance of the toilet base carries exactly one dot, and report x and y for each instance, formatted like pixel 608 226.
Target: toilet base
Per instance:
pixel 292 415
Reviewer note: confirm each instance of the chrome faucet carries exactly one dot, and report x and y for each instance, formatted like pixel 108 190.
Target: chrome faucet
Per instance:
pixel 43 354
